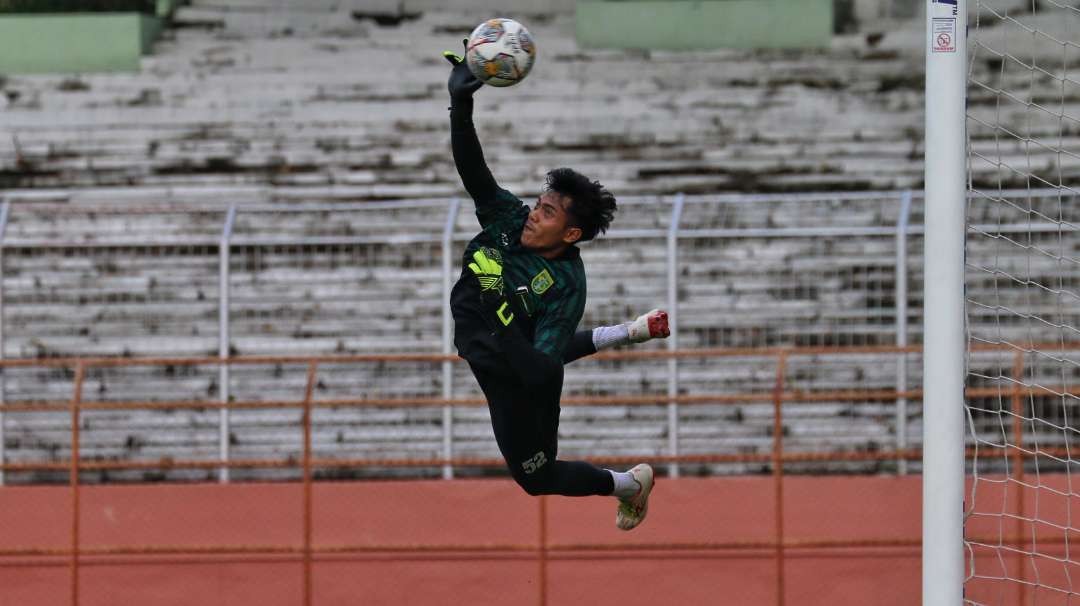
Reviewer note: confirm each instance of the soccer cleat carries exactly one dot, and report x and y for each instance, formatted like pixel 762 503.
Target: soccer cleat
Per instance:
pixel 632 510
pixel 652 325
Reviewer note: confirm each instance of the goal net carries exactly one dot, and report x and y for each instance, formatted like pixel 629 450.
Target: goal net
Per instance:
pixel 1022 503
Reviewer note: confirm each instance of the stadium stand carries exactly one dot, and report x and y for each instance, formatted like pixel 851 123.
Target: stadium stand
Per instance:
pixel 301 95
pixel 120 185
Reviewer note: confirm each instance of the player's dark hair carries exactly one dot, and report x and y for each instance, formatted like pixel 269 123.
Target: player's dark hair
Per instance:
pixel 592 207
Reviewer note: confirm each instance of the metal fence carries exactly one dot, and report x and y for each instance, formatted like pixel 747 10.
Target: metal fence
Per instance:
pixel 322 278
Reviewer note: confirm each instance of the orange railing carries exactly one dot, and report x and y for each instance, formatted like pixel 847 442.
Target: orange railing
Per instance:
pixel 543 550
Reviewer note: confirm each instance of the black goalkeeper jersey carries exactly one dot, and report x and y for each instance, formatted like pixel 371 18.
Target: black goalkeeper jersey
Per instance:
pixel 548 296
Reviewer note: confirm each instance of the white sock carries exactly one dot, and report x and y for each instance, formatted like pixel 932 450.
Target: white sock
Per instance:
pixel 625 484
pixel 604 337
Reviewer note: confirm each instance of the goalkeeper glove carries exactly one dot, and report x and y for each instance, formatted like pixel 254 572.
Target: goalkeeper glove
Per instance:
pixel 651 325
pixel 462 83
pixel 487 267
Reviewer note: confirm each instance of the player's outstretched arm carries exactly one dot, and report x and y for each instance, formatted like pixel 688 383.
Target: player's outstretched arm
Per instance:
pixel 468 155
pixel 651 325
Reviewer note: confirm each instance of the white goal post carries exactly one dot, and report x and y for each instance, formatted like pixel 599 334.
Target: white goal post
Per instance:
pixel 1001 374
pixel 944 344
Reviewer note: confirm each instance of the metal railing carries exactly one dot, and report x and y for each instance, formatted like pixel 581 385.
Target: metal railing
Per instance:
pixel 678 237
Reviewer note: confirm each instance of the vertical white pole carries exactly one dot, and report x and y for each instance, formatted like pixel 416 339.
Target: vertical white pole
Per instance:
pixel 447 335
pixel 4 211
pixel 673 324
pixel 944 345
pixel 223 341
pixel 902 328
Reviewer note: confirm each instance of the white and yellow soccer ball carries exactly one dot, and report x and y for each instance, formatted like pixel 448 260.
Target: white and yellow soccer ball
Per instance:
pixel 500 52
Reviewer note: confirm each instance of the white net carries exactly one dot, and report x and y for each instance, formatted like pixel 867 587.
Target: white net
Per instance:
pixel 1023 302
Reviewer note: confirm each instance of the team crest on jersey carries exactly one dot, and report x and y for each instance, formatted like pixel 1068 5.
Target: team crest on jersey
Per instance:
pixel 542 282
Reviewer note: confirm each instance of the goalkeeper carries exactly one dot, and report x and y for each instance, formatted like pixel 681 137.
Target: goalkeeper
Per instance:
pixel 517 304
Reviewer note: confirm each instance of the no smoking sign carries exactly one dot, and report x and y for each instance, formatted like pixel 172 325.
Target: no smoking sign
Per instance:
pixel 944 36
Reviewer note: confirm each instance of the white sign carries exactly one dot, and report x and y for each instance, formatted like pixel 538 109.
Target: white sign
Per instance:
pixel 943 35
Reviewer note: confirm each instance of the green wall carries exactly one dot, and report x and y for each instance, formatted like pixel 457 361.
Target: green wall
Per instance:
pixel 702 24
pixel 78 42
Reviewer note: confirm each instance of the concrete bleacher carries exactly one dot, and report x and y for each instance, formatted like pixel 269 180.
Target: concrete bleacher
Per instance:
pixel 302 116
pixel 368 290
pixel 382 293
pixel 298 95
pixel 112 299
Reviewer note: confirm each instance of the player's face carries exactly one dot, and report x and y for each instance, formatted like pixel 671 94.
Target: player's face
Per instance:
pixel 549 228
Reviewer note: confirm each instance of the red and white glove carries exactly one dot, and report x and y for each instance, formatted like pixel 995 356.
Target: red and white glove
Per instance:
pixel 652 325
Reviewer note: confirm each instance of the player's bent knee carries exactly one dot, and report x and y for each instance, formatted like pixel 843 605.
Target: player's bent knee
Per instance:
pixel 533 485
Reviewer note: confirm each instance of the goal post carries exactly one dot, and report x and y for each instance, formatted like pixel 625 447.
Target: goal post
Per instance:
pixel 944 343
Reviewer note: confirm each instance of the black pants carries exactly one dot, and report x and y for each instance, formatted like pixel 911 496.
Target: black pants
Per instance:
pixel 526 429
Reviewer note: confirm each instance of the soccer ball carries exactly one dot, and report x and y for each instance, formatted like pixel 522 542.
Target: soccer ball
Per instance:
pixel 500 52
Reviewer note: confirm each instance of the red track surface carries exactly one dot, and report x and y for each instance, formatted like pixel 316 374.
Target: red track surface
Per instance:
pixel 461 516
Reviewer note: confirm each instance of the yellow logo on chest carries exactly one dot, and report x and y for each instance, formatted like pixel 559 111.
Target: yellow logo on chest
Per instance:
pixel 542 282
